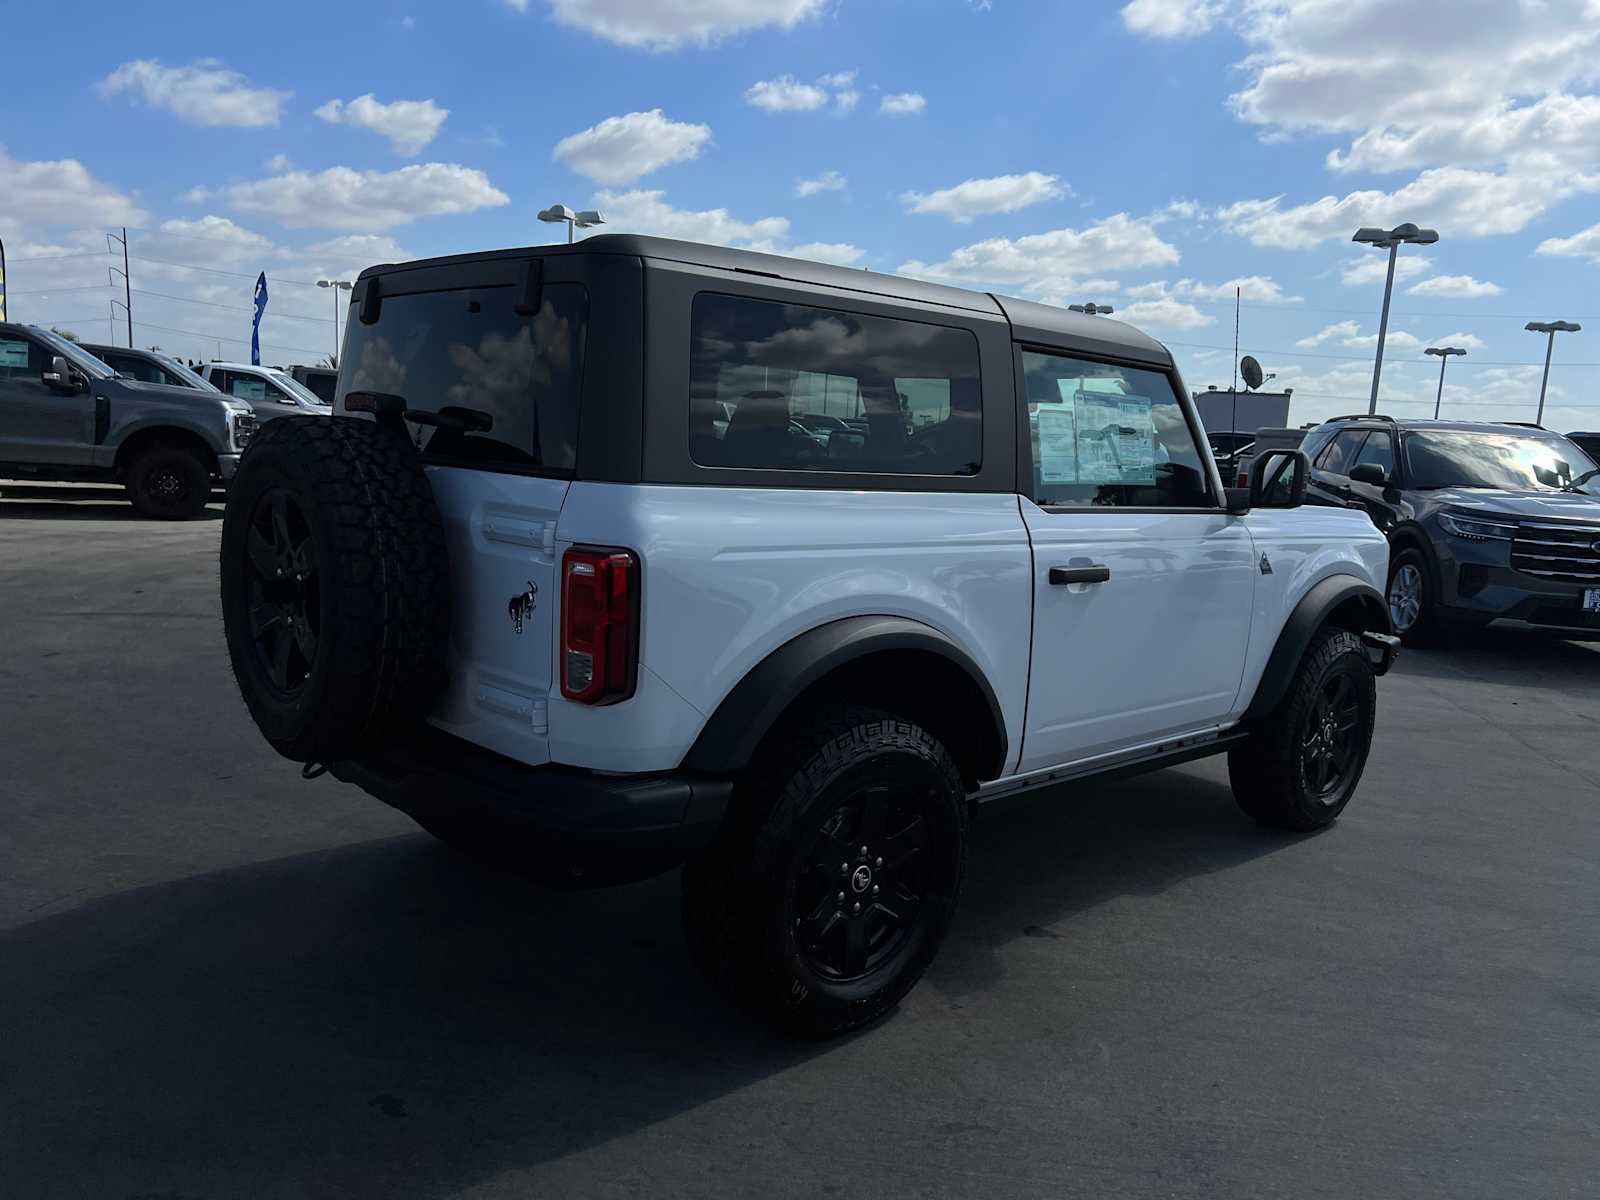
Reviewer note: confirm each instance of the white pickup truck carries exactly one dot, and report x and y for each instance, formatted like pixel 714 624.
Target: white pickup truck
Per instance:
pixel 636 553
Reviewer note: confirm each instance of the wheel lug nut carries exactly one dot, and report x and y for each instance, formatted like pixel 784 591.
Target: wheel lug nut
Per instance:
pixel 856 907
pixel 863 852
pixel 844 868
pixel 841 897
pixel 878 863
pixel 874 889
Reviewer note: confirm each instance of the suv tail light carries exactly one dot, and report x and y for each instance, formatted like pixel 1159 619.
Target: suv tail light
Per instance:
pixel 599 624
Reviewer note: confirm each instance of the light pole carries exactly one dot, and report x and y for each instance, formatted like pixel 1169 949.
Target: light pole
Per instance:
pixel 1552 328
pixel 560 214
pixel 1092 309
pixel 1443 353
pixel 338 285
pixel 1390 240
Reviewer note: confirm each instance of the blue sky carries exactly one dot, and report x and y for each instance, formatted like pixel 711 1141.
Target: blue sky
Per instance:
pixel 1151 155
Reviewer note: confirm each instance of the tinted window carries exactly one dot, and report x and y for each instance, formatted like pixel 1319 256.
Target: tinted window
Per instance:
pixel 1509 461
pixel 504 387
pixel 1379 449
pixel 134 368
pixel 1341 453
pixel 1109 435
pixel 794 388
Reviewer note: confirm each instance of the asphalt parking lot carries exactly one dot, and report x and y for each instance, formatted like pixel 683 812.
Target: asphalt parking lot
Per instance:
pixel 217 980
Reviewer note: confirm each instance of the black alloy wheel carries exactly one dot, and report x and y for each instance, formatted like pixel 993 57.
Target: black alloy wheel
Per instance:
pixel 857 895
pixel 283 590
pixel 1332 743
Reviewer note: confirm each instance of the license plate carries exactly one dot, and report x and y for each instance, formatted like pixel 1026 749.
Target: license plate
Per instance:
pixel 1591 600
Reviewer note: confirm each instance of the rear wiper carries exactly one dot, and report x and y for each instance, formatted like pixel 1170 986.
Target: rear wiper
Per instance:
pixel 452 416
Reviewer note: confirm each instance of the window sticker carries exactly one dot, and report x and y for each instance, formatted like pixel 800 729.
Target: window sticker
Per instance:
pixel 13 354
pixel 1058 437
pixel 1116 439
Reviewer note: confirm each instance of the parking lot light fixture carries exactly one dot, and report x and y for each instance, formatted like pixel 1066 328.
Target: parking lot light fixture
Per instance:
pixel 338 285
pixel 1443 353
pixel 1551 328
pixel 1390 240
pixel 560 214
pixel 1092 309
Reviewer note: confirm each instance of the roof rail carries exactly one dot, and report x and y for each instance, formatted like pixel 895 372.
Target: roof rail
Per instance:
pixel 1524 424
pixel 1364 417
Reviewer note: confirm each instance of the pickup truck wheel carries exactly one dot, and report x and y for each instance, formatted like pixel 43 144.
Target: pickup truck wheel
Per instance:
pixel 170 483
pixel 335 586
pixel 1302 765
pixel 835 879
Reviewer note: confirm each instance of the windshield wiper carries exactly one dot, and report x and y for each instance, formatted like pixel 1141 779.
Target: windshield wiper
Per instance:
pixel 1578 483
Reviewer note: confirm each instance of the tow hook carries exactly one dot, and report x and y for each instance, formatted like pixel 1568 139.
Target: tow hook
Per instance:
pixel 1382 648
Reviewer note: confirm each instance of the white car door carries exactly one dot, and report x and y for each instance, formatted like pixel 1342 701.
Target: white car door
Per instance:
pixel 1143 584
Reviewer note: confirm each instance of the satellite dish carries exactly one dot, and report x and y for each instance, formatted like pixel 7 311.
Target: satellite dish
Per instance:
pixel 1251 370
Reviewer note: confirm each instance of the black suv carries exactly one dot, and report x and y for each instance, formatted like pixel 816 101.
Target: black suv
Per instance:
pixel 1484 520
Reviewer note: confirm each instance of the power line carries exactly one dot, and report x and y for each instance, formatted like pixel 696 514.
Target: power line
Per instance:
pixel 229 307
pixel 59 257
pixel 92 287
pixel 1481 362
pixel 214 337
pixel 219 271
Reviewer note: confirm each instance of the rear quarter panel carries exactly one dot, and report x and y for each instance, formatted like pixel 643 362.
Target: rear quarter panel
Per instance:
pixel 731 574
pixel 1304 546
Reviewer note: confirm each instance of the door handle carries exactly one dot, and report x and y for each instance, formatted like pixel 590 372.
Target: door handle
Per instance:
pixel 1094 574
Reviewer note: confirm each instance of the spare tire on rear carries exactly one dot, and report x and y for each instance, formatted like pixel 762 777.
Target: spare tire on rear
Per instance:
pixel 335 586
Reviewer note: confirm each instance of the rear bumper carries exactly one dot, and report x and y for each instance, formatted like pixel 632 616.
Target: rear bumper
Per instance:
pixel 571 825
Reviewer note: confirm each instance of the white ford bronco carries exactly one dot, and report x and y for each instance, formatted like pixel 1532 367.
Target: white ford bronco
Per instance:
pixel 634 553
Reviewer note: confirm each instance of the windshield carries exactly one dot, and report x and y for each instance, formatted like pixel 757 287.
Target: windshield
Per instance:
pixel 175 368
pixel 1507 461
pixel 297 389
pixel 76 355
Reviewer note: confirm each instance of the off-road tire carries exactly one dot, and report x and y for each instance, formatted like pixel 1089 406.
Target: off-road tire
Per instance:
pixel 169 483
pixel 1270 773
pixel 741 898
pixel 380 606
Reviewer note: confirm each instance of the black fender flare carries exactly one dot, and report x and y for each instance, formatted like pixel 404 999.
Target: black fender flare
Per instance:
pixel 1310 615
pixel 729 739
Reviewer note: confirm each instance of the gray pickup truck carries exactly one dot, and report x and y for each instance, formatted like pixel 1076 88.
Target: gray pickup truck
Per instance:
pixel 65 415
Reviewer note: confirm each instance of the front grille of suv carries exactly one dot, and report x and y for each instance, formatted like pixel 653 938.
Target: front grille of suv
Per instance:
pixel 1565 552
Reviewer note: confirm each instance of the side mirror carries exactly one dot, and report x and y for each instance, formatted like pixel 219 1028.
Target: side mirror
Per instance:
pixel 1278 479
pixel 59 375
pixel 1238 500
pixel 1369 473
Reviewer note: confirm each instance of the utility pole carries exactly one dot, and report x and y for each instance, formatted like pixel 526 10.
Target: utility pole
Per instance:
pixel 127 284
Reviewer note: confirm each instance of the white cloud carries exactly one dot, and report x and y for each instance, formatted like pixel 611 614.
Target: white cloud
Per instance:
pixel 203 93
pixel 1051 263
pixel 649 212
pixel 846 101
pixel 1457 201
pixel 981 197
pixel 278 162
pixel 1339 330
pixel 408 124
pixel 670 24
pixel 1396 339
pixel 357 250
pixel 344 198
pixel 841 254
pixel 903 104
pixel 1257 289
pixel 828 181
pixel 622 149
pixel 1166 313
pixel 1374 268
pixel 1457 287
pixel 1462 341
pixel 786 94
pixel 1583 244
pixel 62 192
pixel 208 239
pixel 1171 18
pixel 839 79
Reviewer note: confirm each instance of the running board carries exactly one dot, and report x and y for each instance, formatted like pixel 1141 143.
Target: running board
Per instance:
pixel 1111 766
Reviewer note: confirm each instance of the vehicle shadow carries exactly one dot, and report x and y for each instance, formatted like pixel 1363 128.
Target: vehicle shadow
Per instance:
pixel 1508 654
pixel 385 1018
pixel 43 502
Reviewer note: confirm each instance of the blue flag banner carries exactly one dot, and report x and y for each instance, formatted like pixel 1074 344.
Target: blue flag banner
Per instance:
pixel 255 326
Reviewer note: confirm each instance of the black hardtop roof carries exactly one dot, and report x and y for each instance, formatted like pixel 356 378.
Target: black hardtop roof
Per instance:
pixel 1031 321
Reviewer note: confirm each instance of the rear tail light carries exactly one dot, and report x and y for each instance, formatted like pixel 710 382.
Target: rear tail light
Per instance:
pixel 599 624
pixel 1244 479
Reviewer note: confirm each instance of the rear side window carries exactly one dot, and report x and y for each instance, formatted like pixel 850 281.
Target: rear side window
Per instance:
pixel 504 387
pixel 789 387
pixel 135 368
pixel 1341 453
